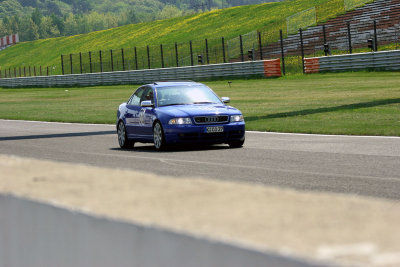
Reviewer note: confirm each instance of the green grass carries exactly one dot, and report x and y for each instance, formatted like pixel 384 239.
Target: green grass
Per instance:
pixel 229 23
pixel 362 103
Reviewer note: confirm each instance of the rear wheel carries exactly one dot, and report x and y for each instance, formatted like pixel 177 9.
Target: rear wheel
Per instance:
pixel 123 140
pixel 158 134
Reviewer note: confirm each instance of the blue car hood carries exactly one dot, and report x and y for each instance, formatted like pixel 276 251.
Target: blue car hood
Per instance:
pixel 198 110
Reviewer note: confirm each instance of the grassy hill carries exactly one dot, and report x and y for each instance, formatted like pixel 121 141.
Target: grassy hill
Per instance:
pixel 224 22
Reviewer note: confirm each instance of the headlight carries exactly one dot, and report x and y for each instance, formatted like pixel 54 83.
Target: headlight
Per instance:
pixel 180 121
pixel 237 118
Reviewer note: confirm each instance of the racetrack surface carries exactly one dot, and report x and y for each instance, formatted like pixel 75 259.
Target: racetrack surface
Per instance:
pixel 345 164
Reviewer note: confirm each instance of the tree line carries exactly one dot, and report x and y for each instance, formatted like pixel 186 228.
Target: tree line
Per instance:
pixel 36 26
pixel 40 19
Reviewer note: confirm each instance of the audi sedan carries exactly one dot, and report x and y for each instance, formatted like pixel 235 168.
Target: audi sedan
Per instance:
pixel 166 113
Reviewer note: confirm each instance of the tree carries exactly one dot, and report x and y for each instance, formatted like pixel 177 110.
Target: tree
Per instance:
pixel 131 17
pixel 82 6
pixel 53 8
pixel 14 24
pixel 82 23
pixel 32 3
pixel 47 28
pixel 70 25
pixel 36 16
pixel 57 21
pixel 95 21
pixel 29 30
pixel 169 11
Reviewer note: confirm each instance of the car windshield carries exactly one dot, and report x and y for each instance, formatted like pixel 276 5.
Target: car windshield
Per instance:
pixel 185 95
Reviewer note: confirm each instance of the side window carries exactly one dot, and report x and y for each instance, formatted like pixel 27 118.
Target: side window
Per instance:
pixel 135 99
pixel 147 95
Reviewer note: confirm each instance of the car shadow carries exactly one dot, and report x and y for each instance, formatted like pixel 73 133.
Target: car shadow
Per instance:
pixel 58 135
pixel 174 148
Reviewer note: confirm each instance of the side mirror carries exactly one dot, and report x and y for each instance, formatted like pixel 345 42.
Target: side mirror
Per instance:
pixel 146 104
pixel 226 100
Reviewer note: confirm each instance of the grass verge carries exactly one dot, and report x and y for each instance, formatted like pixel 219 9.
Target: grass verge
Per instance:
pixel 359 103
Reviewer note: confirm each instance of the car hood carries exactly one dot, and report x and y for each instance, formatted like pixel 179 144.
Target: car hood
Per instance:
pixel 198 110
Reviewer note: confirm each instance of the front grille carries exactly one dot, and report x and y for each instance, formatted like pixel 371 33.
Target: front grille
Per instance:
pixel 211 119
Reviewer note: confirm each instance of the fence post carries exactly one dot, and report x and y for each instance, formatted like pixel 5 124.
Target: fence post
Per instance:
pixel 260 45
pixel 90 62
pixel 176 55
pixel 282 53
pixel 207 56
pixel 241 48
pixel 47 70
pixel 148 57
pixel 349 37
pixel 162 56
pixel 30 73
pixel 15 72
pixel 302 49
pixel 375 37
pixel 80 62
pixel 324 36
pixel 112 60
pixel 20 72
pixel 62 66
pixel 24 71
pixel 40 70
pixel 70 60
pixel 34 70
pixel 191 53
pixel 101 61
pixel 223 49
pixel 123 59
pixel 136 62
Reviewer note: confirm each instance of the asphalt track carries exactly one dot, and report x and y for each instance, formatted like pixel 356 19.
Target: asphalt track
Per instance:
pixel 368 166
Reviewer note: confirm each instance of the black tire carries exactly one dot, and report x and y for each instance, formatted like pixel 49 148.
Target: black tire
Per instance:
pixel 158 135
pixel 236 144
pixel 123 140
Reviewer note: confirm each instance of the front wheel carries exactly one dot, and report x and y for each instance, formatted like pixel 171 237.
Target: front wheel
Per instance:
pixel 123 140
pixel 236 144
pixel 158 134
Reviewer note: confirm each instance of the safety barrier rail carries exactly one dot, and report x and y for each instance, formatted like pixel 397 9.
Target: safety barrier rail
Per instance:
pixel 385 60
pixel 261 68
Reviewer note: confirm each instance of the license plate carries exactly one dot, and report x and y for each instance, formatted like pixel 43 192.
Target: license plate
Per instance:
pixel 215 129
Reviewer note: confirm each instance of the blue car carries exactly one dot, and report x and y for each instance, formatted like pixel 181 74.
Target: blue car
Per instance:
pixel 166 113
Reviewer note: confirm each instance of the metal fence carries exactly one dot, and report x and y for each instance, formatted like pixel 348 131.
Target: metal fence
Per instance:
pixel 208 51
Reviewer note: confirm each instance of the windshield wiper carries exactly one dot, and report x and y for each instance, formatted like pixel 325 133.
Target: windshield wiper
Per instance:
pixel 175 104
pixel 204 103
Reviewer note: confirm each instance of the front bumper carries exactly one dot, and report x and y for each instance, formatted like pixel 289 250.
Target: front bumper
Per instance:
pixel 197 133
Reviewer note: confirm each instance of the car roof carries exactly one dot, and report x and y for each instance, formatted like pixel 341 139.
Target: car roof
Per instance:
pixel 172 83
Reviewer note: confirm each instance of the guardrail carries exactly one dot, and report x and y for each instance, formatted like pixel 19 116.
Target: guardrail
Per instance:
pixel 386 60
pixel 261 68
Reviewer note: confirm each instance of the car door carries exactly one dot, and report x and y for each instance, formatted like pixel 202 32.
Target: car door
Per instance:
pixel 132 113
pixel 146 114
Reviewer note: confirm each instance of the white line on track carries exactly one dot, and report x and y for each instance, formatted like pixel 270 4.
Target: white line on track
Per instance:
pixel 326 135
